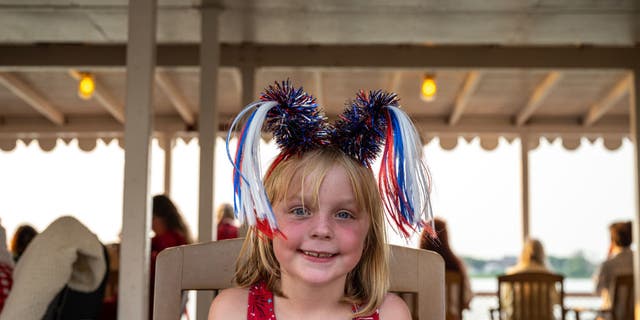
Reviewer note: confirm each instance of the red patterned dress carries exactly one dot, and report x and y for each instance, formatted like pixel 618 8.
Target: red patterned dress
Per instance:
pixel 6 281
pixel 261 304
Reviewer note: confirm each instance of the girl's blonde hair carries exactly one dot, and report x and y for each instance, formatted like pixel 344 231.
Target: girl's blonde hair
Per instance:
pixel 533 253
pixel 368 282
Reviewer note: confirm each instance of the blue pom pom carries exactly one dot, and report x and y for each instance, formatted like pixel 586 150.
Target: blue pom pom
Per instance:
pixel 360 130
pixel 296 122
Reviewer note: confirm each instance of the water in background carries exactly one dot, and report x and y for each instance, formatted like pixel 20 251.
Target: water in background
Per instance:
pixel 480 305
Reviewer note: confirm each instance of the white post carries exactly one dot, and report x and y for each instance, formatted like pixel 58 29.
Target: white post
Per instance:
pixel 524 173
pixel 207 134
pixel 134 255
pixel 167 144
pixel 634 116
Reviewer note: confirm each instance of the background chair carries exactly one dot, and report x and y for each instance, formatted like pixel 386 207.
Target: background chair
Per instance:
pixel 621 304
pixel 453 293
pixel 530 296
pixel 211 266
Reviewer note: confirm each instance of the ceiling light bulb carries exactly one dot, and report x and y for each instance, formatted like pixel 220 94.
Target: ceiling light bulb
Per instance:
pixel 86 86
pixel 429 88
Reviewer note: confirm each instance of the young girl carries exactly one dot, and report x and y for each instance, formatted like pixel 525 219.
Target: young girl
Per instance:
pixel 316 246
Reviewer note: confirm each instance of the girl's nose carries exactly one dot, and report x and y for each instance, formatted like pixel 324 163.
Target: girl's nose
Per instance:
pixel 322 227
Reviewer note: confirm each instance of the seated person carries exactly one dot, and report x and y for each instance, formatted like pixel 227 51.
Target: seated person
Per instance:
pixel 61 275
pixel 451 263
pixel 6 268
pixel 227 228
pixel 619 261
pixel 532 259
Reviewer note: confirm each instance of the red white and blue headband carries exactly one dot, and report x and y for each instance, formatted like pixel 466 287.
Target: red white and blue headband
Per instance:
pixel 371 123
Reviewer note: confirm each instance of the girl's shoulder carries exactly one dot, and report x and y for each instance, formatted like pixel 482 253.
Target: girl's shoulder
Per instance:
pixel 393 307
pixel 230 304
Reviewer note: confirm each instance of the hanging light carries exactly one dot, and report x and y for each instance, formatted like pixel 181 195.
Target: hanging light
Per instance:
pixel 428 88
pixel 86 86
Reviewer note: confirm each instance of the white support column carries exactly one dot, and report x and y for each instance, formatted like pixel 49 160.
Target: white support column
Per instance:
pixel 248 84
pixel 135 250
pixel 207 134
pixel 635 136
pixel 524 173
pixel 167 144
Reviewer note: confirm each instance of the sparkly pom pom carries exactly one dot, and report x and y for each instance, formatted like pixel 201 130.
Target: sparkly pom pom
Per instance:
pixel 296 123
pixel 360 130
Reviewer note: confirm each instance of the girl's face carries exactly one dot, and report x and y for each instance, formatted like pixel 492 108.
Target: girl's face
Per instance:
pixel 325 238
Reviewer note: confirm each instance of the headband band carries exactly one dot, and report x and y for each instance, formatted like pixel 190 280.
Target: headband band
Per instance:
pixel 372 123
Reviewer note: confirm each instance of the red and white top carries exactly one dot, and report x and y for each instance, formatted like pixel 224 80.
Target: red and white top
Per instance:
pixel 260 304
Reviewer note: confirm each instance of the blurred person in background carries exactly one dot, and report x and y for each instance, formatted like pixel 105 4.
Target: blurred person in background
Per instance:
pixel 227 228
pixel 21 239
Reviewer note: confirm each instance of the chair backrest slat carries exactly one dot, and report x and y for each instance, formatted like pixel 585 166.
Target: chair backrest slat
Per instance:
pixel 623 298
pixel 211 267
pixel 529 296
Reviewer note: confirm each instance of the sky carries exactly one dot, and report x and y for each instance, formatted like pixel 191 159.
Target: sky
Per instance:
pixel 574 195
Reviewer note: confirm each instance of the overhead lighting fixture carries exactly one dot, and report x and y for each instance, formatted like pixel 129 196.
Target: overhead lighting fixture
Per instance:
pixel 86 86
pixel 428 88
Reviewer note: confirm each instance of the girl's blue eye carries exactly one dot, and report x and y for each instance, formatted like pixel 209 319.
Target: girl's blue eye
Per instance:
pixel 344 215
pixel 299 212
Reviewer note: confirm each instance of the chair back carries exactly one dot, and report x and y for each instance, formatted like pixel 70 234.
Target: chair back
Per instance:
pixel 530 296
pixel 454 295
pixel 623 298
pixel 211 267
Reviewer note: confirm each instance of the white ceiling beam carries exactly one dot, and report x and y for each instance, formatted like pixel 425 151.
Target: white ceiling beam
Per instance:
pixel 175 96
pixel 319 86
pixel 405 56
pixel 395 81
pixel 236 78
pixel 614 95
pixel 539 94
pixel 104 97
pixel 612 126
pixel 462 99
pixel 29 95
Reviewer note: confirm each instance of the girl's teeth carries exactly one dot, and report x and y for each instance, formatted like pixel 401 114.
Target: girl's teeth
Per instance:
pixel 318 255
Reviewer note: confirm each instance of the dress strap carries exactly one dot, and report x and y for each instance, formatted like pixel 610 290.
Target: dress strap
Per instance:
pixel 373 316
pixel 260 304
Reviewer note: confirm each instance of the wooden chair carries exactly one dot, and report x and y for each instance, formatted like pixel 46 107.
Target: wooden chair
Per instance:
pixel 622 303
pixel 530 296
pixel 454 295
pixel 210 267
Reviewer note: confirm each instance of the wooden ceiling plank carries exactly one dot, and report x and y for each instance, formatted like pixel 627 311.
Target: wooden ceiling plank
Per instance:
pixel 272 55
pixel 395 82
pixel 29 95
pixel 35 127
pixel 470 84
pixel 317 78
pixel 600 108
pixel 539 94
pixel 104 97
pixel 176 97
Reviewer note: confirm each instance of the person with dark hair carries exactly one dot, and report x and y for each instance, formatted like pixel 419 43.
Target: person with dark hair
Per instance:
pixel 170 231
pixel 227 228
pixel 6 268
pixel 21 239
pixel 451 262
pixel 619 261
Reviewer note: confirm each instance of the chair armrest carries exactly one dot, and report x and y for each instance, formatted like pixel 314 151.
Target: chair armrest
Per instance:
pixel 579 310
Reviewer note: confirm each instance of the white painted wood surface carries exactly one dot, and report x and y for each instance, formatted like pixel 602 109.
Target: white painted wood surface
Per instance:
pixel 133 294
